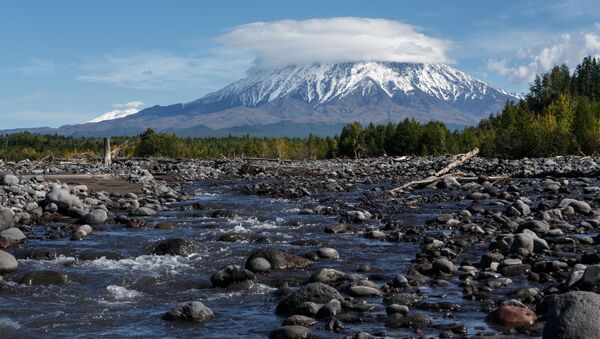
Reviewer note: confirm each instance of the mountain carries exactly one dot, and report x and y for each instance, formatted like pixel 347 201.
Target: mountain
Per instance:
pixel 296 100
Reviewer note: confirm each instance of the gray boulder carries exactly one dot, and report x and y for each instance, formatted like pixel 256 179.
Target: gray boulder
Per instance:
pixel 8 263
pixel 290 332
pixel 7 218
pixel 314 292
pixel 233 277
pixel 193 311
pixel 573 315
pixel 62 198
pixel 95 217
pixel 9 179
pixel 278 259
pixel 12 235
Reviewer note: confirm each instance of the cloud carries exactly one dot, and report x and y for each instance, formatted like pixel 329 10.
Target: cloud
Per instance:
pixel 35 66
pixel 568 49
pixel 344 39
pixel 164 70
pixel 122 110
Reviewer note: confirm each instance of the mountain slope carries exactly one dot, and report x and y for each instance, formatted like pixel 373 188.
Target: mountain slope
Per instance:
pixel 306 96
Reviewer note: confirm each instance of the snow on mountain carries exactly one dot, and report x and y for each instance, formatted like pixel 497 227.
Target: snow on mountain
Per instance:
pixel 121 111
pixel 322 84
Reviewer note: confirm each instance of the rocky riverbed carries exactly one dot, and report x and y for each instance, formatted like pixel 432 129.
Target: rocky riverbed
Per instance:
pixel 298 249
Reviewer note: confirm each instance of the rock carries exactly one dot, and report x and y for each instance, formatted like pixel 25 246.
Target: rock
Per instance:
pixel 327 275
pixel 515 270
pixel 11 236
pixel 44 278
pixel 451 182
pixel 575 275
pixel 579 206
pixel 514 316
pixel 591 276
pixel 278 259
pixel 51 208
pixel 9 179
pixel 339 228
pixel 7 218
pixel 328 253
pixel 290 332
pixel 308 309
pixel 8 263
pixel 193 311
pixel 62 198
pixel 332 308
pixel 175 246
pixel 233 277
pixel 95 217
pixel 573 315
pixel 143 212
pixel 537 226
pixel 443 265
pixel 395 308
pixel 314 292
pixel 415 321
pixel 259 265
pixel 223 214
pixel 364 291
pixel 233 237
pixel 522 243
pixel 299 320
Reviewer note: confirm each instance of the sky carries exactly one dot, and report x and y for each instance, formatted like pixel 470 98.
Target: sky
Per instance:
pixel 67 62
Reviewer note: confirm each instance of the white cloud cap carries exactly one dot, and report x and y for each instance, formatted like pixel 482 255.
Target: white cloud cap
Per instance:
pixel 343 39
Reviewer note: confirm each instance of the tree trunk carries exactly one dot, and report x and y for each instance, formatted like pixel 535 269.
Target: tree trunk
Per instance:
pixel 107 159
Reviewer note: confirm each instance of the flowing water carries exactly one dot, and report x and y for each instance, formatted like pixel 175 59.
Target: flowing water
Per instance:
pixel 125 292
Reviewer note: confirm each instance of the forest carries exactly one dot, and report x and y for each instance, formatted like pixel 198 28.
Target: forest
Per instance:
pixel 560 115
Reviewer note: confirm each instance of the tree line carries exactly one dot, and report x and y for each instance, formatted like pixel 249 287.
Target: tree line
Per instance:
pixel 560 115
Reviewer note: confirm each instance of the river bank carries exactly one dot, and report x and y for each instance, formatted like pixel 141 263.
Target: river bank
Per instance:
pixel 288 248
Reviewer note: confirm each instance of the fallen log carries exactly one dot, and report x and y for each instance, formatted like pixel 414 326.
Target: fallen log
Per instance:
pixel 499 179
pixel 459 159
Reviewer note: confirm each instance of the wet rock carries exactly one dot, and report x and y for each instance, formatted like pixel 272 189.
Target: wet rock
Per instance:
pixel 233 277
pixel 299 320
pixel 330 309
pixel 515 270
pixel 232 237
pixel 138 223
pixel 514 316
pixel 569 315
pixel 415 321
pixel 176 246
pixel 314 292
pixel 278 259
pixel 259 265
pixel 395 308
pixel 522 243
pixel 339 228
pixel 223 214
pixel 364 291
pixel 8 263
pixel 575 275
pixel 327 276
pixel 591 276
pixel 328 253
pixel 290 332
pixel 192 311
pixel 443 265
pixel 44 278
pixel 95 217
pixel 165 226
pixel 307 308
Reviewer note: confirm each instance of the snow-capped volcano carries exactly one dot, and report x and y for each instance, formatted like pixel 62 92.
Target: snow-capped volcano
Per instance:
pixel 321 84
pixel 319 98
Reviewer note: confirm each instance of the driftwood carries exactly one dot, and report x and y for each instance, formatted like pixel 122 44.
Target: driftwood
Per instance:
pixel 441 174
pixel 107 159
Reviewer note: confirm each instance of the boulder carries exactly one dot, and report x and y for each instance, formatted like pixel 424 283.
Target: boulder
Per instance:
pixel 10 179
pixel 233 277
pixel 11 236
pixel 95 217
pixel 299 320
pixel 62 198
pixel 327 275
pixel 318 293
pixel 443 265
pixel 259 265
pixel 175 246
pixel 573 315
pixel 290 332
pixel 8 263
pixel 143 212
pixel 7 218
pixel 514 316
pixel 44 278
pixel 192 311
pixel 278 259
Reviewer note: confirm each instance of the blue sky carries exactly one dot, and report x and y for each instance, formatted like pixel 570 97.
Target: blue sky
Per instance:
pixel 65 62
